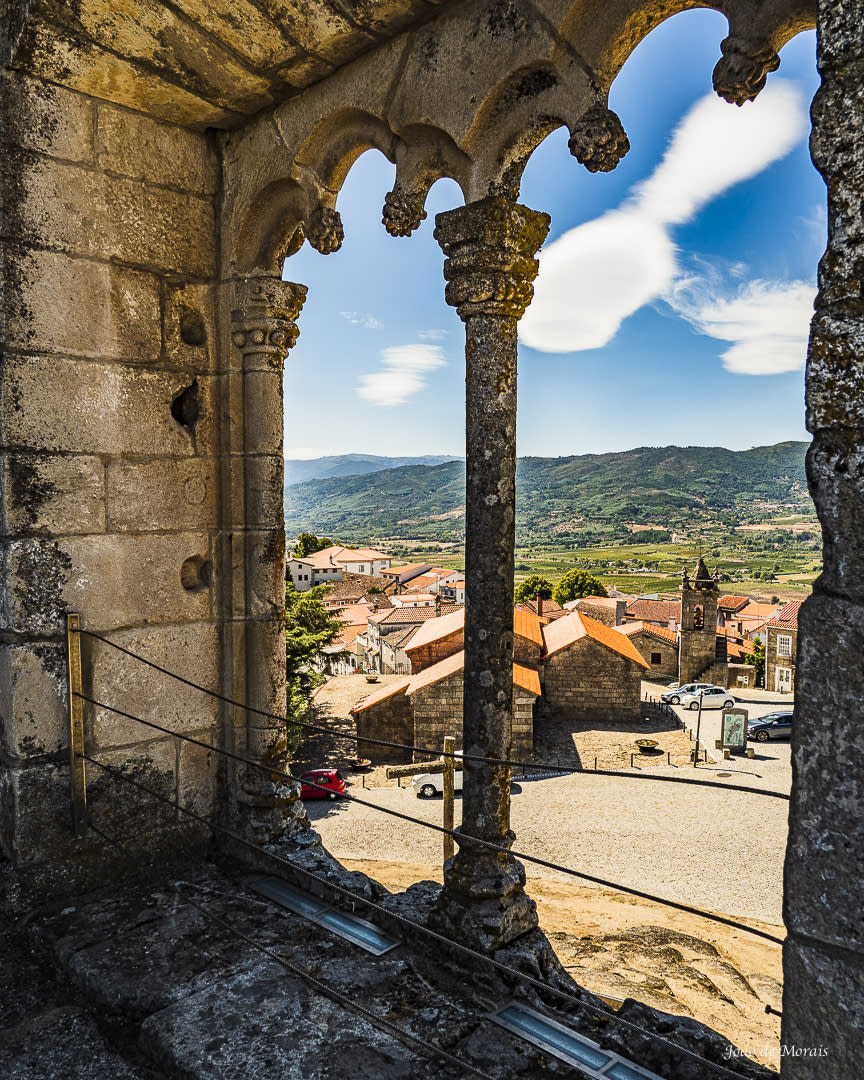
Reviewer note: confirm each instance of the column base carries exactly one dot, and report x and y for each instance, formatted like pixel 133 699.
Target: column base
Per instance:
pixel 271 813
pixel 483 903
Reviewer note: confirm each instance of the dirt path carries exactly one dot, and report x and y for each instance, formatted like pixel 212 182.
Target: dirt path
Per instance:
pixel 618 946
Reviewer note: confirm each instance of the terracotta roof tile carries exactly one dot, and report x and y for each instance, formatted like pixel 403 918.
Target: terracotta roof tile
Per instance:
pixel 439 628
pixel 787 616
pixel 733 603
pixel 654 610
pixel 663 633
pixel 564 632
pixel 527 625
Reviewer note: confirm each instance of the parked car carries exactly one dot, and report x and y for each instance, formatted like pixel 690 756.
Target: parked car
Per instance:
pixel 713 697
pixel 322 784
pixel 428 785
pixel 674 695
pixel 776 725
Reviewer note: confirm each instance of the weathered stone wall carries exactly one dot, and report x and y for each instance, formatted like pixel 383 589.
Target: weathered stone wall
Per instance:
pixel 746 673
pixel 109 468
pixel 773 659
pixel 649 646
pixel 438 712
pixel 589 682
pixel 526 651
pixel 823 955
pixel 391 720
pixel 697 646
pixel 426 655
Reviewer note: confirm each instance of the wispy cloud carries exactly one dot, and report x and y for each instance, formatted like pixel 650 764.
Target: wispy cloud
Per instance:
pixel 431 335
pixel 405 367
pixel 597 274
pixel 766 322
pixel 362 318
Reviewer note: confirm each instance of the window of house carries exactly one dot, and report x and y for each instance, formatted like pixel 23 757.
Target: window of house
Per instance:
pixel 784 644
pixel 656 658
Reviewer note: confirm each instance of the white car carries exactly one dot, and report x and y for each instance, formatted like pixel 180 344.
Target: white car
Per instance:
pixel 713 697
pixel 428 785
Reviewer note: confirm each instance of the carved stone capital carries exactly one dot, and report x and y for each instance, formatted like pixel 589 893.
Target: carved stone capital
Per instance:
pixel 490 246
pixel 323 229
pixel 741 72
pixel 403 211
pixel 264 314
pixel 598 140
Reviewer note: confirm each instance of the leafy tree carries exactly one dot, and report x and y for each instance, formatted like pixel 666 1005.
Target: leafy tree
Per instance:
pixel 756 659
pixel 309 627
pixel 309 543
pixel 533 585
pixel 576 584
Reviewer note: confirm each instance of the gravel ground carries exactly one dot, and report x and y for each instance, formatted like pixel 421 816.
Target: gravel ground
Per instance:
pixel 718 850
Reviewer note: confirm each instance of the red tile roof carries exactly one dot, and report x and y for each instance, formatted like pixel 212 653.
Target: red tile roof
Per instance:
pixel 438 628
pixel 787 616
pixel 572 628
pixel 733 603
pixel 637 627
pixel 416 613
pixel 654 610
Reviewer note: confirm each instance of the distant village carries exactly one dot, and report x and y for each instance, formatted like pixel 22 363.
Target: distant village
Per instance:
pixel 585 661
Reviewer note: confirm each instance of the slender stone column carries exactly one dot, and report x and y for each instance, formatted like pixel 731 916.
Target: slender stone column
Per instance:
pixel 263 329
pixel 490 247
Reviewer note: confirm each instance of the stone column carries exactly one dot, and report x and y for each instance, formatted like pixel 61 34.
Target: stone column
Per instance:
pixel 490 247
pixel 823 955
pixel 263 329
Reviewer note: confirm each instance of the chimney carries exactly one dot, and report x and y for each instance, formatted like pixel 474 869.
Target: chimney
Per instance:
pixel 539 605
pixel 437 604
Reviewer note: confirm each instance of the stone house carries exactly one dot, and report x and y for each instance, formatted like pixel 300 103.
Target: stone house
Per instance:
pixel 606 609
pixel 332 563
pixel 421 709
pixel 657 645
pixel 781 649
pixel 385 638
pixel 658 612
pixel 591 671
pixel 445 636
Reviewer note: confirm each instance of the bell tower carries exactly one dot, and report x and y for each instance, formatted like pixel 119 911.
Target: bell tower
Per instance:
pixel 697 648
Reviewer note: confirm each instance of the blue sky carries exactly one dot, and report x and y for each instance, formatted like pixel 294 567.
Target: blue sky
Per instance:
pixel 672 302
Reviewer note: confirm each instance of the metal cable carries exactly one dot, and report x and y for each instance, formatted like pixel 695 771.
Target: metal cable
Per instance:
pixel 323 988
pixel 321 729
pixel 600 1014
pixel 464 838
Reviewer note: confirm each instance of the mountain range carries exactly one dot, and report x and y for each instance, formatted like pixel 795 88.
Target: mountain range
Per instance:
pixel 299 469
pixel 557 498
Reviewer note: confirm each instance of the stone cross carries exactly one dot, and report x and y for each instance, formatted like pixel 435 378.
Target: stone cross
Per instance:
pixel 446 766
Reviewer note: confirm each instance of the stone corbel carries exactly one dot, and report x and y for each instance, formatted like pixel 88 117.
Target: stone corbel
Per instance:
pixel 403 210
pixel 323 229
pixel 264 316
pixel 742 70
pixel 598 139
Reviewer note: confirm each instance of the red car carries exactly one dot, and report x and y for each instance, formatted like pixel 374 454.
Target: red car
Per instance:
pixel 322 784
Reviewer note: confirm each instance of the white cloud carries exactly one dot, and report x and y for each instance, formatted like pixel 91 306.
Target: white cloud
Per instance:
pixel 362 318
pixel 405 367
pixel 431 335
pixel 597 274
pixel 767 322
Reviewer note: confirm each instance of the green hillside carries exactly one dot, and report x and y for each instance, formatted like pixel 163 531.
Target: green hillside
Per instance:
pixel 561 499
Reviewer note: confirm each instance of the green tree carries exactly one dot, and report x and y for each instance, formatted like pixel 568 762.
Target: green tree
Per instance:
pixel 575 584
pixel 533 585
pixel 756 659
pixel 309 627
pixel 309 543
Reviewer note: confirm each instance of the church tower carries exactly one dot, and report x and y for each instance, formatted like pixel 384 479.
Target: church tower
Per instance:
pixel 697 648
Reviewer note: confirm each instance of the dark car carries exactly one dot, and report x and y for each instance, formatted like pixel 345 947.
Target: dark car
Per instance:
pixel 776 725
pixel 322 784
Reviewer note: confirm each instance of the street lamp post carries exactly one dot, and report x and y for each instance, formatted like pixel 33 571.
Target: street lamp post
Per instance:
pixel 698 727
